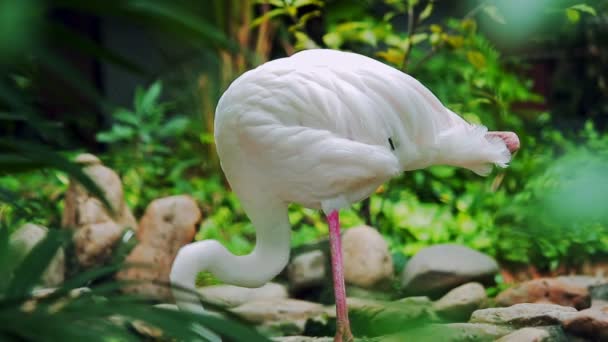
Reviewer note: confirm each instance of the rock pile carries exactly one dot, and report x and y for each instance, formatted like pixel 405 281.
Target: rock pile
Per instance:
pixel 442 294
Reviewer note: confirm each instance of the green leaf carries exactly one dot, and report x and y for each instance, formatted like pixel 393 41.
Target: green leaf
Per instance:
pixel 276 3
pixel 419 37
pixel 477 59
pixel 304 42
pixel 267 16
pixel 573 15
pixel 584 8
pixel 11 198
pixel 302 3
pixel 116 134
pixel 174 127
pixel 150 97
pixel 306 17
pixel 126 116
pixel 428 10
pixel 333 40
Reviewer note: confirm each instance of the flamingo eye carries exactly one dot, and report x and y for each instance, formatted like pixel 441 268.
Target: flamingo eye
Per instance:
pixel 390 141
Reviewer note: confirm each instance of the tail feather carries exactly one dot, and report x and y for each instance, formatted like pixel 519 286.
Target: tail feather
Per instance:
pixel 470 147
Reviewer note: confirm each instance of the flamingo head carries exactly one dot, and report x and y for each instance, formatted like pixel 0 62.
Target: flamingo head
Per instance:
pixel 511 139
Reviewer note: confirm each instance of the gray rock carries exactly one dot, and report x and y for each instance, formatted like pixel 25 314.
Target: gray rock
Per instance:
pixel 229 296
pixel 367 260
pixel 24 239
pixel 459 303
pixel 521 315
pixel 583 280
pixel 264 311
pixel 307 270
pixel 436 269
pixel 536 334
pixel 599 292
pixel 471 331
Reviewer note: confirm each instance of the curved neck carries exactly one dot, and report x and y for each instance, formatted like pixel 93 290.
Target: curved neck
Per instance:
pixel 272 246
pixel 269 257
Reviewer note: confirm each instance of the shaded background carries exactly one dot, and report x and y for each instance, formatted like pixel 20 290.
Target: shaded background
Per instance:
pixel 71 70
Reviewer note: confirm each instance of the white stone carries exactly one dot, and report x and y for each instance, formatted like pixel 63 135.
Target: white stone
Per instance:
pixel 278 310
pixel 460 302
pixel 524 315
pixel 367 260
pixel 229 296
pixel 96 229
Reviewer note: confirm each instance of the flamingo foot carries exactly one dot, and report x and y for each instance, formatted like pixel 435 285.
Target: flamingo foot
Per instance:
pixel 343 333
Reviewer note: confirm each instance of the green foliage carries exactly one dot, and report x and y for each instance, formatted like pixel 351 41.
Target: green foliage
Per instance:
pixel 471 77
pixel 559 214
pixel 99 314
pixel 545 209
pixel 151 147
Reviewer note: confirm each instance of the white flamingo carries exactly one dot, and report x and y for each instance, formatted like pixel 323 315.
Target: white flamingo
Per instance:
pixel 324 128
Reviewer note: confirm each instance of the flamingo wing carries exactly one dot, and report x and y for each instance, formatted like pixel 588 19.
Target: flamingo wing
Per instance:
pixel 311 166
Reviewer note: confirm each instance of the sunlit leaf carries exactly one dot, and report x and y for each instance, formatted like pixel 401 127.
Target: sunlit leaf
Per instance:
pixel 477 59
pixel 428 10
pixel 584 8
pixel 435 28
pixel 303 41
pixel 573 15
pixel 267 16
pixel 301 3
pixel 276 3
pixel 419 38
pixel 394 56
pixel 493 12
pixel 456 41
pixel 333 40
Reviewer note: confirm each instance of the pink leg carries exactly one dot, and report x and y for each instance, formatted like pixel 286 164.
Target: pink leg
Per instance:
pixel 342 325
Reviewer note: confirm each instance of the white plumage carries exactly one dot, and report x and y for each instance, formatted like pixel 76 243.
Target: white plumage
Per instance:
pixel 324 128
